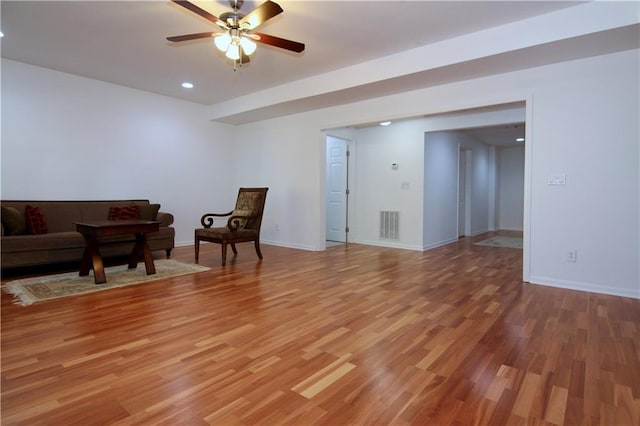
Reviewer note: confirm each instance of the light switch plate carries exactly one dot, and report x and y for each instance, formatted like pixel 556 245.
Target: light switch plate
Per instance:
pixel 557 179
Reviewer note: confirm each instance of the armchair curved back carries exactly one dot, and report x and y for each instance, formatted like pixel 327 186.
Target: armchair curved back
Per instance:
pixel 250 204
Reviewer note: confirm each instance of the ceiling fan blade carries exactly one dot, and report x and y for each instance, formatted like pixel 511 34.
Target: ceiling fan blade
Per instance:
pixel 188 37
pixel 198 11
pixel 282 43
pixel 261 14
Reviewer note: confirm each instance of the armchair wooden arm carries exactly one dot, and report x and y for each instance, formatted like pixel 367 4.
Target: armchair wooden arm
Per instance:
pixel 207 219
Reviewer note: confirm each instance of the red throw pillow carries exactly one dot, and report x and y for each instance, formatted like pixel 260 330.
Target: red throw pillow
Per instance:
pixel 123 213
pixel 36 221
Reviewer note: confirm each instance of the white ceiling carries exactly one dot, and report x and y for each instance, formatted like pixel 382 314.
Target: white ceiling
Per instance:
pixel 503 135
pixel 124 42
pixel 355 49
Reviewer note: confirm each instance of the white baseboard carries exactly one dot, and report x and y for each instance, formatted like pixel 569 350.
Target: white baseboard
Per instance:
pixel 479 231
pixel 388 244
pixel 439 244
pixel 580 286
pixel 289 245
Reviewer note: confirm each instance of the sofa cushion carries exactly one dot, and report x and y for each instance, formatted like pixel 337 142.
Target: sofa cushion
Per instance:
pixel 123 213
pixel 148 211
pixel 36 220
pixel 43 242
pixel 13 221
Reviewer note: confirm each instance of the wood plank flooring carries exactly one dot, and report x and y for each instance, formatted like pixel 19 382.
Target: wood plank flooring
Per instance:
pixel 352 335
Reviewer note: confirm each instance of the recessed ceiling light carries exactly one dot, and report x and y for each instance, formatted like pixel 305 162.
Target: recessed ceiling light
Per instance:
pixel 187 85
pixel 519 139
pixel 385 123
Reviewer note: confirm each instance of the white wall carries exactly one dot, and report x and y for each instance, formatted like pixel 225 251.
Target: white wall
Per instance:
pixel 290 160
pixel 378 187
pixel 441 177
pixel 440 211
pixel 67 137
pixel 598 96
pixel 586 126
pixel 480 180
pixel 510 197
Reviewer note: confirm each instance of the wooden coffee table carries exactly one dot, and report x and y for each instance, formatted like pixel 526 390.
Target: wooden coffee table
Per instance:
pixel 93 232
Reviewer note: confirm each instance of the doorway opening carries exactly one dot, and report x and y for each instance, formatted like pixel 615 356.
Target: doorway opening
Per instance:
pixel 498 175
pixel 485 205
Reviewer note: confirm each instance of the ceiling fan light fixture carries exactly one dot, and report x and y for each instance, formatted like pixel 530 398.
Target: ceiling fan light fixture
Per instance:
pixel 222 41
pixel 237 30
pixel 233 52
pixel 248 46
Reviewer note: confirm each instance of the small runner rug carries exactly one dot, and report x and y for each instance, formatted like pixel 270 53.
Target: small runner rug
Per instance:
pixel 499 241
pixel 30 290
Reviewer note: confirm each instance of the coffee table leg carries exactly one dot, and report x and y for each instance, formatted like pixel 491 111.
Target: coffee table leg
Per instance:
pixel 85 263
pixel 134 257
pixel 141 249
pixel 91 258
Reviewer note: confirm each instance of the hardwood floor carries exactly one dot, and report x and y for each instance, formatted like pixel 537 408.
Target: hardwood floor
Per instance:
pixel 352 335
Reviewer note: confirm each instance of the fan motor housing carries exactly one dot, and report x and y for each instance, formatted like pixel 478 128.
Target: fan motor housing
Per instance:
pixel 231 17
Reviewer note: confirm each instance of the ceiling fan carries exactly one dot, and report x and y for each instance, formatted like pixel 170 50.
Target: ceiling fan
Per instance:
pixel 238 37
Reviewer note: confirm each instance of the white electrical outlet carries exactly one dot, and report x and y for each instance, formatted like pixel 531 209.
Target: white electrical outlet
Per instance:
pixel 572 256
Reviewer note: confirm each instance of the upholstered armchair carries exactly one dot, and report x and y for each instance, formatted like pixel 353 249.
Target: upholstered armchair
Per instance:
pixel 243 223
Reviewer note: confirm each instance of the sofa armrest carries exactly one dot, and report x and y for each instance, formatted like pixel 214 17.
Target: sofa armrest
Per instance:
pixel 165 219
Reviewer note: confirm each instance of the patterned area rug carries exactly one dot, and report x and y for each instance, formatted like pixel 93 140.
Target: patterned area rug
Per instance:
pixel 499 241
pixel 30 290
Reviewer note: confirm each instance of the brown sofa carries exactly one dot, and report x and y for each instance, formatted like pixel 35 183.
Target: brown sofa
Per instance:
pixel 61 243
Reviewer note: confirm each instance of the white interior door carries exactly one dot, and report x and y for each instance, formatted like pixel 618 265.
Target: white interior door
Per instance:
pixel 337 173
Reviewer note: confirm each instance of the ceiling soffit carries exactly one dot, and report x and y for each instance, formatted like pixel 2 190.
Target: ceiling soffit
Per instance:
pixel 601 43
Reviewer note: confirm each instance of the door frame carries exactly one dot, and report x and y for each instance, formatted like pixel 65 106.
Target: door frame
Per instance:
pixel 464 182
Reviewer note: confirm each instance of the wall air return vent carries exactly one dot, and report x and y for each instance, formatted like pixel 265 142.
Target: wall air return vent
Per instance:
pixel 390 225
